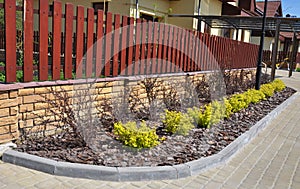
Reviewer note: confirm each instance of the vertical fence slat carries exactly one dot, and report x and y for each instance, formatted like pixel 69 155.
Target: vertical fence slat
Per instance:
pixel 137 47
pixel 43 40
pixel 178 46
pixel 187 50
pixel 154 49
pixel 174 48
pixel 149 48
pixel 143 47
pixel 99 43
pixel 169 49
pixel 199 51
pixel 108 43
pixel 213 55
pixel 68 40
pixel 221 60
pixel 194 50
pixel 217 51
pixel 160 49
pixel 123 45
pixel 205 51
pixel 116 44
pixel 182 51
pixel 165 48
pixel 28 40
pixel 130 46
pixel 90 41
pixel 79 40
pixel 10 41
pixel 56 27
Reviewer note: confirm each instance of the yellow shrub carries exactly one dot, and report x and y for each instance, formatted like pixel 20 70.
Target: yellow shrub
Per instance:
pixel 137 137
pixel 177 122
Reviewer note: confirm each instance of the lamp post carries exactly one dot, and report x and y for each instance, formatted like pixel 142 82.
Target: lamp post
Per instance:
pixel 137 8
pixel 261 48
pixel 199 21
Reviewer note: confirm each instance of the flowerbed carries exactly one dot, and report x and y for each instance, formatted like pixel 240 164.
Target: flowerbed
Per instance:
pixel 182 136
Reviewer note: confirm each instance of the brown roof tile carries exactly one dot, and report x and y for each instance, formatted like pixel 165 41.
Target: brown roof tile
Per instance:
pixel 272 9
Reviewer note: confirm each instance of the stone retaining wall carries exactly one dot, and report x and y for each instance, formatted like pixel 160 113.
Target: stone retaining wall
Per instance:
pixel 22 106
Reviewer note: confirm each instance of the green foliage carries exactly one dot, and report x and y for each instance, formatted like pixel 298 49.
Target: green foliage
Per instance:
pixel 267 89
pixel 2 73
pixel 177 122
pixel 238 102
pixel 137 137
pixel 254 96
pixel 20 76
pixel 228 108
pixel 297 69
pixel 217 111
pixel 19 16
pixel 210 114
pixel 278 85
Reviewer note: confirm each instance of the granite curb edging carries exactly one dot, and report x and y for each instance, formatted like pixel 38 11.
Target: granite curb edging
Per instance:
pixel 142 173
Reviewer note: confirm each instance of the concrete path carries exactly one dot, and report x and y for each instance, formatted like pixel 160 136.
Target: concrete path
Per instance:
pixel 271 160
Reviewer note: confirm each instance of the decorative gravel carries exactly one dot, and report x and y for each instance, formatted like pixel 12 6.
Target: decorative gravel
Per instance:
pixel 174 150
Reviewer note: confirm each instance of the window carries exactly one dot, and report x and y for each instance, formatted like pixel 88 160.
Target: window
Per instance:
pixel 149 17
pixel 207 29
pixel 100 6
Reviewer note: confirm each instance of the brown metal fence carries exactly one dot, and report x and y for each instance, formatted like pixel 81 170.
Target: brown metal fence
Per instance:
pixel 129 48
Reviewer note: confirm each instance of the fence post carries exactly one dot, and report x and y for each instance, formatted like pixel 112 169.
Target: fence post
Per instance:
pixel 10 41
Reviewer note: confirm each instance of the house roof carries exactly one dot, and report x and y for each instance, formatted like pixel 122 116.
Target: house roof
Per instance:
pixel 274 8
pixel 248 23
pixel 228 9
pixel 289 35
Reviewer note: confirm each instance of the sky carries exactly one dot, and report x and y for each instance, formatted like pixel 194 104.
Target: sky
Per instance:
pixel 291 7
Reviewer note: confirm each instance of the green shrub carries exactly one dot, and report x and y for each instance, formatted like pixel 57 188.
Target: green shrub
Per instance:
pixel 267 89
pixel 255 96
pixel 137 137
pixel 177 122
pixel 278 85
pixel 228 108
pixel 217 110
pixel 208 115
pixel 238 102
pixel 297 69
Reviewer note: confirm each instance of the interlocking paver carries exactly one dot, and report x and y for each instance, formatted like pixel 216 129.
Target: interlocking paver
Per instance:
pixel 271 159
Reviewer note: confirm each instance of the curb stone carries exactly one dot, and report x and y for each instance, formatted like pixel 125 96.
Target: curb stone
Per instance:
pixel 6 146
pixel 143 173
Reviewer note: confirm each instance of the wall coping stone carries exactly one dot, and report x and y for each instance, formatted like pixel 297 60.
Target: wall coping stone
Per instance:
pixel 15 86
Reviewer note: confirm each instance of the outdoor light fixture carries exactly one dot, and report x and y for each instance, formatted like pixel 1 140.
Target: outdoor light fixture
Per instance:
pixel 261 48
